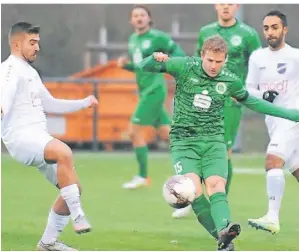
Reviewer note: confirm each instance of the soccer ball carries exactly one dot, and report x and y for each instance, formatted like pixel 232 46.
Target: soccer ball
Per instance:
pixel 179 191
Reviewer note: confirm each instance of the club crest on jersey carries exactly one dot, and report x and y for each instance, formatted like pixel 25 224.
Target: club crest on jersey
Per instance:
pixel 221 88
pixel 281 68
pixel 146 44
pixel 236 40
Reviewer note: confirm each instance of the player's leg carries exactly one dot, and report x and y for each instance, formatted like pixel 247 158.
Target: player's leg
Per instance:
pixel 28 148
pixel 184 162
pixel 163 130
pixel 67 181
pixel 215 170
pixel 275 184
pixel 232 119
pixel 163 125
pixel 280 151
pixel 58 217
pixel 145 115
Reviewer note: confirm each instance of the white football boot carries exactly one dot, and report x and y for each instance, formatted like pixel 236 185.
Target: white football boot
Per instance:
pixel 266 224
pixel 55 246
pixel 135 183
pixel 81 225
pixel 181 213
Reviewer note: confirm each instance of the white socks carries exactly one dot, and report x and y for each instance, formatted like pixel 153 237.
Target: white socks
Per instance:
pixel 56 223
pixel 71 196
pixel 275 190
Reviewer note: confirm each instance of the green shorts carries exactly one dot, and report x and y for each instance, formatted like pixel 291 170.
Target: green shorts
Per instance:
pixel 201 157
pixel 150 111
pixel 232 120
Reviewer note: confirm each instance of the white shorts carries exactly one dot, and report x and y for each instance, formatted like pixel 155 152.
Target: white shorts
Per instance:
pixel 27 146
pixel 285 144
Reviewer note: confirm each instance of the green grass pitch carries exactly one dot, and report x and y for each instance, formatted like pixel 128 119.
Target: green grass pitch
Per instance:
pixel 140 219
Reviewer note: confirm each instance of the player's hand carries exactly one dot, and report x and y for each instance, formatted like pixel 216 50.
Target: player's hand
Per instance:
pixel 270 95
pixel 121 61
pixel 93 101
pixel 160 57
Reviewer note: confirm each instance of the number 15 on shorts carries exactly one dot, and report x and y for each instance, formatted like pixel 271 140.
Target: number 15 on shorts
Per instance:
pixel 178 167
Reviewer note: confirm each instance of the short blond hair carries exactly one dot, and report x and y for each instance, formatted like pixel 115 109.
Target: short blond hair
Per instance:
pixel 216 44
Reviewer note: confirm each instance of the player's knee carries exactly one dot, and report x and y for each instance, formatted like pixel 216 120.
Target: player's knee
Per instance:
pixel 65 155
pixel 197 182
pixel 215 184
pixel 132 135
pixel 134 132
pixel 273 161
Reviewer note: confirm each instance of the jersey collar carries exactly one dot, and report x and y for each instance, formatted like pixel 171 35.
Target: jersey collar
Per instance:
pixel 19 60
pixel 228 27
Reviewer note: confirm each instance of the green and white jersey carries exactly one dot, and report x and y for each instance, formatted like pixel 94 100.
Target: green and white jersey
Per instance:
pixel 144 45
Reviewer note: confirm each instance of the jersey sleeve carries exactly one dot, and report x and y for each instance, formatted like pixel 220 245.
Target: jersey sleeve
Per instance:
pixel 61 106
pixel 238 91
pixel 252 80
pixel 268 108
pixel 129 66
pixel 174 66
pixel 200 41
pixel 9 86
pixel 253 42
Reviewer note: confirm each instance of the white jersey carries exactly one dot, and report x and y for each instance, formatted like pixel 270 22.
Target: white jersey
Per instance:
pixel 279 71
pixel 24 99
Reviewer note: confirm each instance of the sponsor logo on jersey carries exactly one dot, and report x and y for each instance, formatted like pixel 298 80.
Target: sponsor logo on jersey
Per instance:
pixel 202 101
pixel 221 88
pixel 236 40
pixel 280 87
pixel 281 68
pixel 146 44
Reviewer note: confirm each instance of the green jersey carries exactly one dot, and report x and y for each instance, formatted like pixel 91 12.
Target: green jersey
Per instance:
pixel 143 45
pixel 199 99
pixel 242 40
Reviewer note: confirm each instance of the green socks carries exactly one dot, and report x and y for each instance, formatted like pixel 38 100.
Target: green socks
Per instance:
pixel 201 207
pixel 229 176
pixel 141 156
pixel 220 210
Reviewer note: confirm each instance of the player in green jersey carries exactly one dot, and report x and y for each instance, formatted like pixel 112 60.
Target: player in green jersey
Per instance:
pixel 197 142
pixel 150 110
pixel 242 40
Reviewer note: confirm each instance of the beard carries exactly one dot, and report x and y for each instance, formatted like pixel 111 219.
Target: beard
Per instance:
pixel 274 43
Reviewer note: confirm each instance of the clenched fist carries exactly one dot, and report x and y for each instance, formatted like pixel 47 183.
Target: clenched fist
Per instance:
pixel 160 57
pixel 121 61
pixel 93 101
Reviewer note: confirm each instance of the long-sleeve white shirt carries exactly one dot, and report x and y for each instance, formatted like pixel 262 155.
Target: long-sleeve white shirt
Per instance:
pixel 279 71
pixel 25 99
